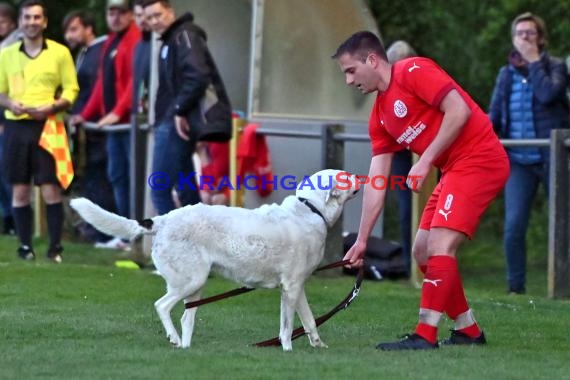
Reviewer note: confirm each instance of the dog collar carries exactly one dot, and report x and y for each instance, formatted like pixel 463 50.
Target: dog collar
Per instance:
pixel 306 202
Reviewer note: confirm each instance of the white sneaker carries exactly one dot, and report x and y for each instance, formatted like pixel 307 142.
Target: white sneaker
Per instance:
pixel 115 243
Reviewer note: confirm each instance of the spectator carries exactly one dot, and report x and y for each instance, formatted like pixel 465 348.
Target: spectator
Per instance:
pixel 401 165
pixel 79 33
pixel 186 71
pixel 139 109
pixel 9 33
pixel 31 72
pixel 419 106
pixel 529 100
pixel 141 62
pixel 112 96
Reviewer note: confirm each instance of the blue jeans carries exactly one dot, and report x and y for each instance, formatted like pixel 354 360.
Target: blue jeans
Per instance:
pixel 119 150
pixel 173 159
pixel 520 191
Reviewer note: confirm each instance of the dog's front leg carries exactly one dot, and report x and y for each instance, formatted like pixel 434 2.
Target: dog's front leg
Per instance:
pixel 308 321
pixel 289 298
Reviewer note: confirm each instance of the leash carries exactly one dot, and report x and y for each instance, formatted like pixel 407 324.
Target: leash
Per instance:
pixel 299 331
pixel 231 293
pixel 246 289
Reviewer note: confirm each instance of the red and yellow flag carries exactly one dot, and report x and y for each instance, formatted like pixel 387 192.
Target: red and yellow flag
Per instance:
pixel 54 140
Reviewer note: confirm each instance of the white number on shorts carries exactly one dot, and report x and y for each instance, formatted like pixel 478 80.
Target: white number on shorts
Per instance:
pixel 448 202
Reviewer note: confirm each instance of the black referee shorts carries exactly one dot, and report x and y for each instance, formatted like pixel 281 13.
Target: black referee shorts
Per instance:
pixel 23 158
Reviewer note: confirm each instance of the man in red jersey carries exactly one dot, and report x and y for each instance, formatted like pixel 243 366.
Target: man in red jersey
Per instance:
pixel 421 108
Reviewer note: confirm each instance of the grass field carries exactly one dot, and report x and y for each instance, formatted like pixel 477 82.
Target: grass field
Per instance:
pixel 87 319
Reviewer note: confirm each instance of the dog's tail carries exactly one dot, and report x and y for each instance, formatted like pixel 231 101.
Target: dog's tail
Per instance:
pixel 110 223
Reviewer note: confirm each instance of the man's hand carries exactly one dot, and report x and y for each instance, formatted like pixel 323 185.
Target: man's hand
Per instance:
pixel 356 255
pixel 417 175
pixel 75 120
pixel 17 108
pixel 40 113
pixel 182 127
pixel 528 49
pixel 109 119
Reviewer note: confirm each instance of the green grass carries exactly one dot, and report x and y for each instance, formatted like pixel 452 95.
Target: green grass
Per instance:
pixel 87 319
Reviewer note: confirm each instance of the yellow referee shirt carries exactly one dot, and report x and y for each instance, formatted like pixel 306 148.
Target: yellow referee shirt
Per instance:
pixel 35 81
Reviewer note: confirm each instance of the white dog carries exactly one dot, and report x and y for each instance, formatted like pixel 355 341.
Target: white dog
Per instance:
pixel 273 245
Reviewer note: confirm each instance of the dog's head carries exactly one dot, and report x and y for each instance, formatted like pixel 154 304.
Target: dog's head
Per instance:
pixel 328 190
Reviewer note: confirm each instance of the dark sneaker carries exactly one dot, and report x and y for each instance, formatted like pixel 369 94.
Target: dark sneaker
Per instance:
pixel 26 253
pixel 458 338
pixel 513 291
pixel 408 342
pixel 54 254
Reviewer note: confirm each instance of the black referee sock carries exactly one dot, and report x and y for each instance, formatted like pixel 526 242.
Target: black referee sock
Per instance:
pixel 23 223
pixel 54 223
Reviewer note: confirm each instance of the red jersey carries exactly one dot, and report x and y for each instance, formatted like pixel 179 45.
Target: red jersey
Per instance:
pixel 407 114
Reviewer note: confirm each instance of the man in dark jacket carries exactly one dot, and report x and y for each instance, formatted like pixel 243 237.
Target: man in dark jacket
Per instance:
pixel 79 33
pixel 188 78
pixel 111 99
pixel 529 100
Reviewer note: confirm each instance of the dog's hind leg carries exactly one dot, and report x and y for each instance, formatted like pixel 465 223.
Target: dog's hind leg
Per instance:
pixel 187 321
pixel 163 307
pixel 289 297
pixel 308 321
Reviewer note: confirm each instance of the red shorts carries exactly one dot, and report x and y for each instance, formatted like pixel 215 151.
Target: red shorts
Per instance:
pixel 464 193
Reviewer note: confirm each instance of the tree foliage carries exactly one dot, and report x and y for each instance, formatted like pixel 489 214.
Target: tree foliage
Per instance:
pixel 469 38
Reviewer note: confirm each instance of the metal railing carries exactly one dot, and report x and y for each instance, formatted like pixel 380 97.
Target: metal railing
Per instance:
pixel 333 138
pixel 90 126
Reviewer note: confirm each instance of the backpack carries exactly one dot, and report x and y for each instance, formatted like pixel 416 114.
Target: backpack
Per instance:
pixel 383 258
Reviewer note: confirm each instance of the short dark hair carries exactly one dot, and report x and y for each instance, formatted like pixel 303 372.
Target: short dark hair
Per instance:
pixel 146 3
pixel 360 44
pixel 540 27
pixel 9 11
pixel 33 3
pixel 86 18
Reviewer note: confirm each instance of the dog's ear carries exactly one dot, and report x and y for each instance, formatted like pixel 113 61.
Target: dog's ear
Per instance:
pixel 332 193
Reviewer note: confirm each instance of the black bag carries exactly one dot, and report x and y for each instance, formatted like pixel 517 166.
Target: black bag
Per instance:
pixel 383 258
pixel 213 119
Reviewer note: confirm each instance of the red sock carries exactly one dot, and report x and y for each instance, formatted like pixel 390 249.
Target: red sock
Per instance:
pixel 423 268
pixel 437 286
pixel 458 310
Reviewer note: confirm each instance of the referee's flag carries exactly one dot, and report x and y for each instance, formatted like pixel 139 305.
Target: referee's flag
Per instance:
pixel 54 140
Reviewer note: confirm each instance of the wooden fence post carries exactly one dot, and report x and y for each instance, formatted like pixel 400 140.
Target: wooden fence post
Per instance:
pixel 237 197
pixel 559 216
